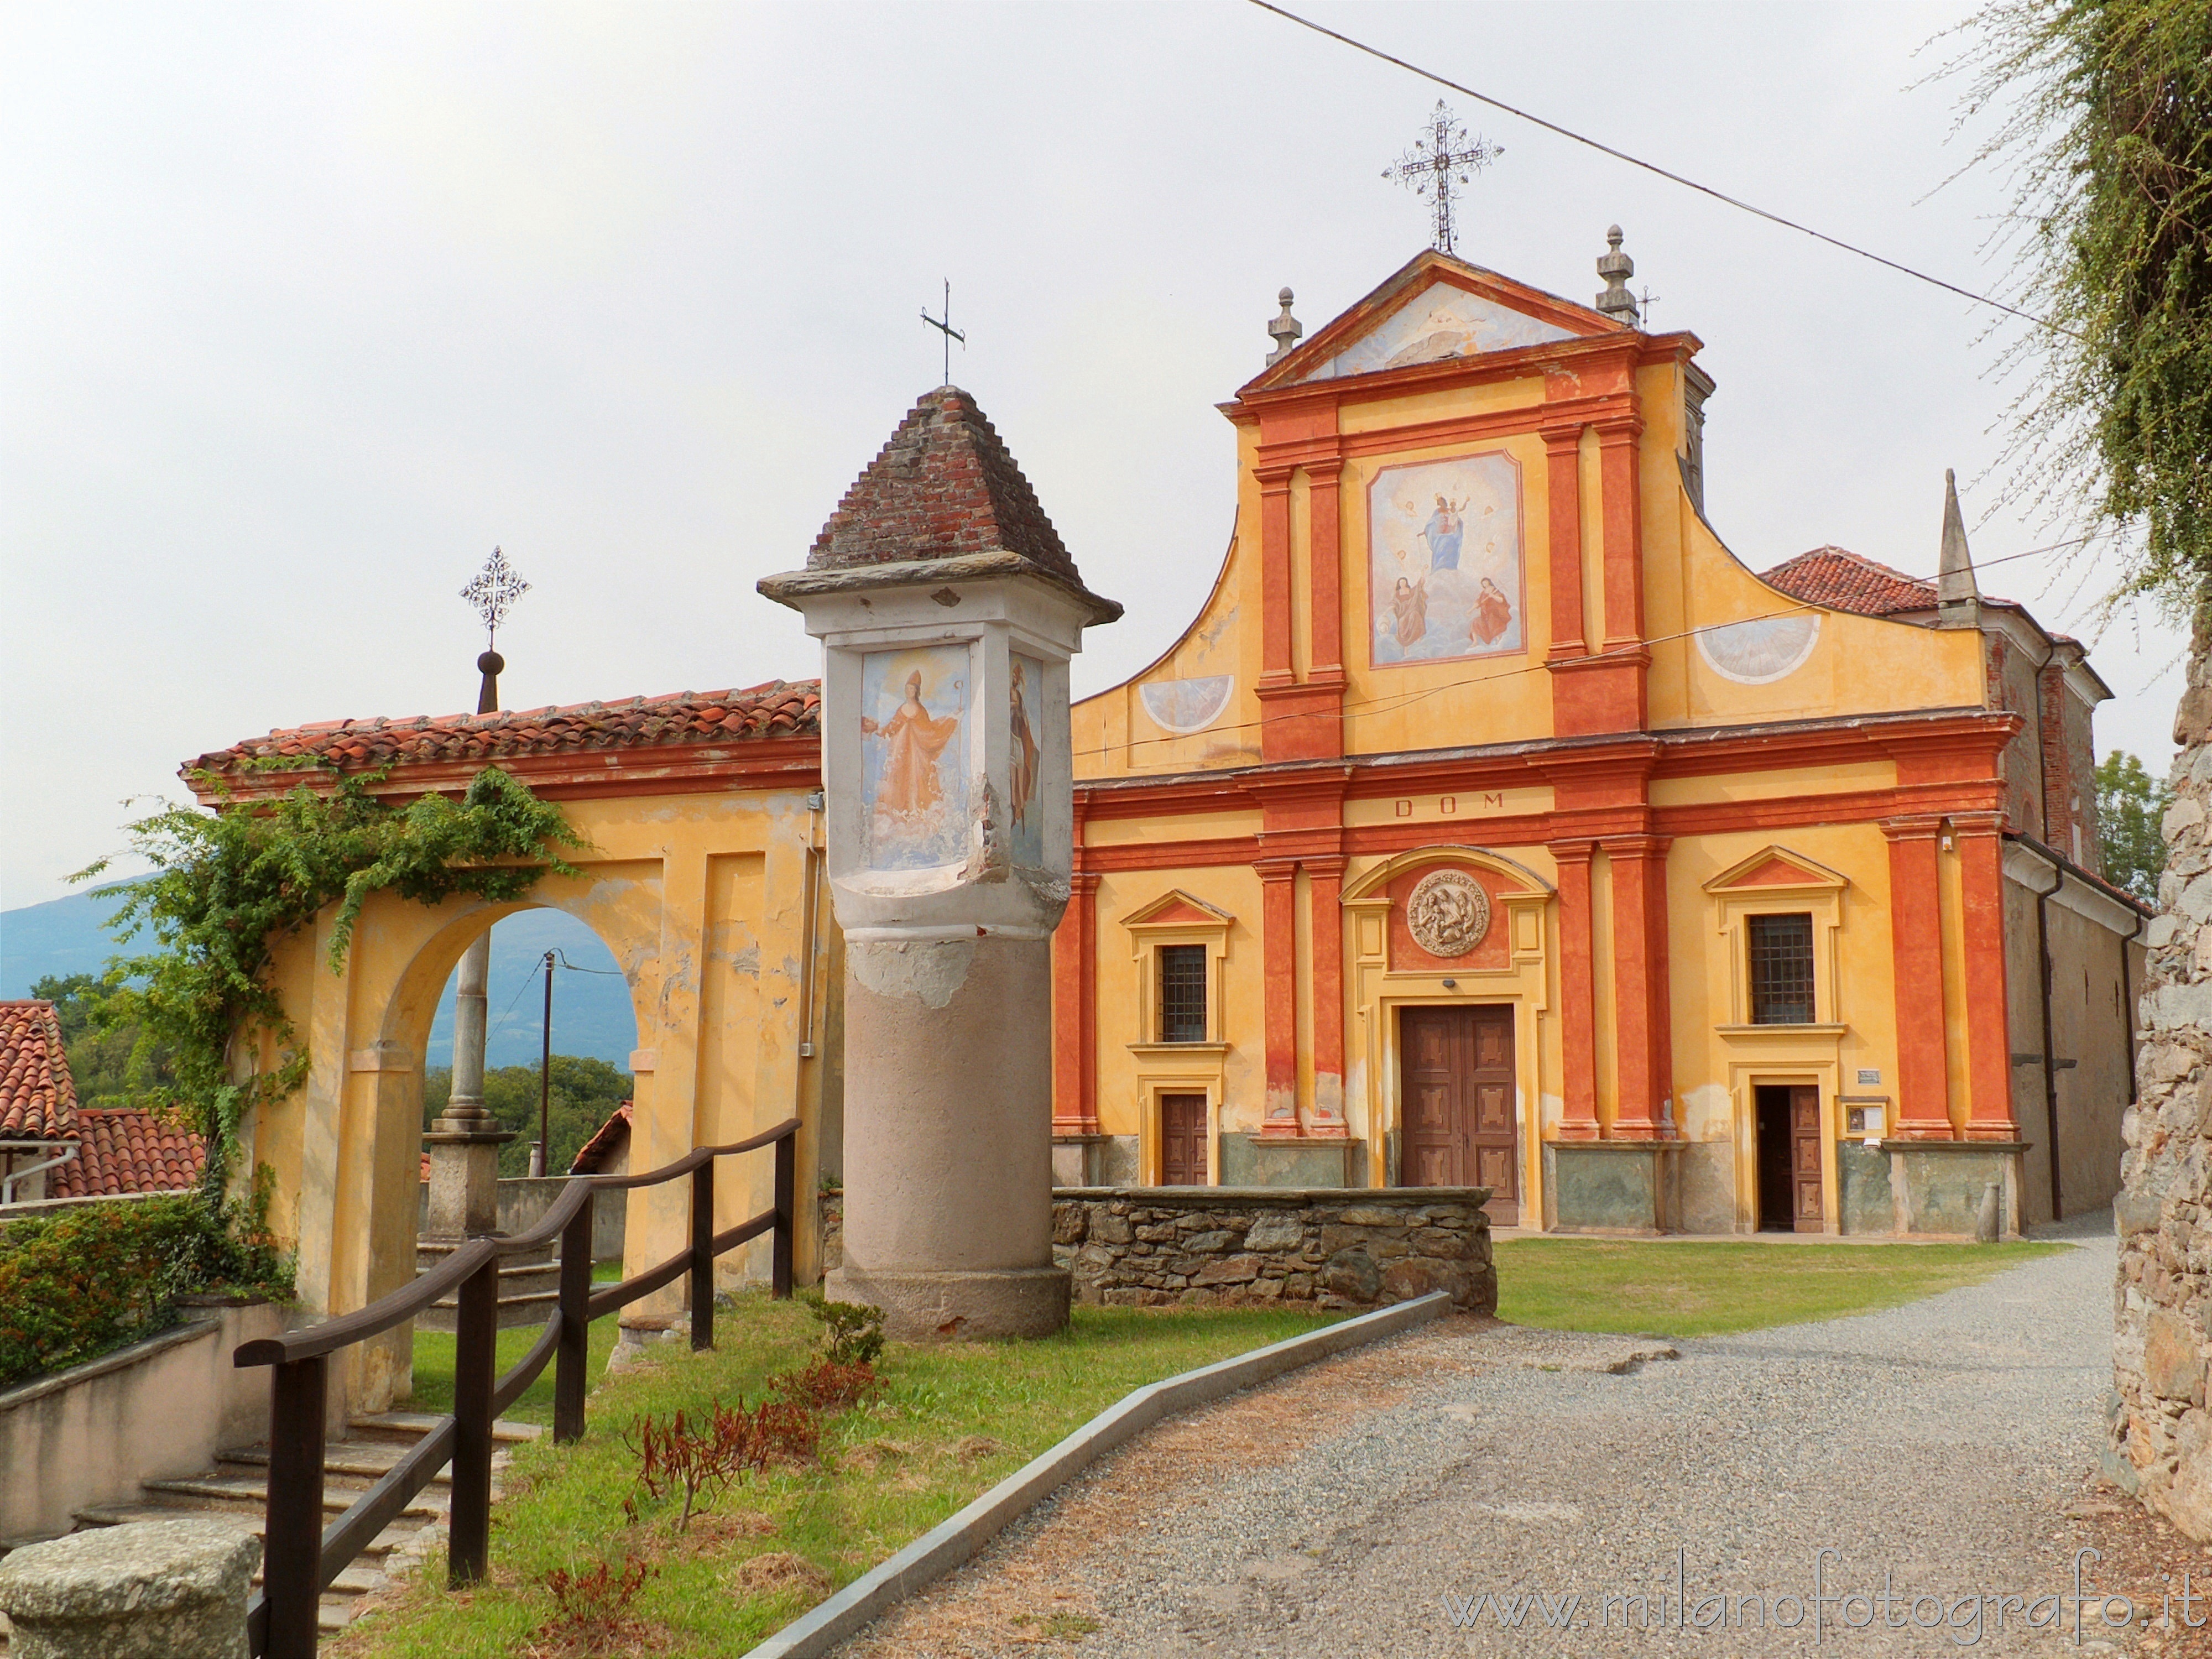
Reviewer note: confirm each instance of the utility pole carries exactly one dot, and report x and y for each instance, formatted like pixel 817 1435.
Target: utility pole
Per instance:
pixel 540 1152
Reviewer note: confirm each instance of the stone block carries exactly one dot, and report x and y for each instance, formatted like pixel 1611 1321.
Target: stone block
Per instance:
pixel 2136 1211
pixel 1352 1274
pixel 2172 1366
pixel 1418 1276
pixel 1275 1232
pixel 1070 1223
pixel 1230 1270
pixel 1300 1285
pixel 1108 1227
pixel 1201 1243
pixel 153 1590
pixel 1369 1215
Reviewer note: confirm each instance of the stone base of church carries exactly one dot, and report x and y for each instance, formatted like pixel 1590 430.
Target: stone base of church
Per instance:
pixel 1269 1161
pixel 970 1306
pixel 1621 1187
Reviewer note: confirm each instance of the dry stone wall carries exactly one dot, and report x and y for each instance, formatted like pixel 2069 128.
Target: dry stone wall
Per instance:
pixel 1154 1246
pixel 2161 1443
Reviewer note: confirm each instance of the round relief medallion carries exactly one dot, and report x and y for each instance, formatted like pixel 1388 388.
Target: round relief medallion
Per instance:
pixel 1447 914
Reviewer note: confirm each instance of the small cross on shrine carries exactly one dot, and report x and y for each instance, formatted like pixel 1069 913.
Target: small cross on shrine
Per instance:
pixel 945 328
pixel 1443 160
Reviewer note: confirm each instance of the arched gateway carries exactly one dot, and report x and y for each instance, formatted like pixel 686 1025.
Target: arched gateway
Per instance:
pixel 703 818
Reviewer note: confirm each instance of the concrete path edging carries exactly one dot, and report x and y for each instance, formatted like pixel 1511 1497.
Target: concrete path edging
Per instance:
pixel 937 1551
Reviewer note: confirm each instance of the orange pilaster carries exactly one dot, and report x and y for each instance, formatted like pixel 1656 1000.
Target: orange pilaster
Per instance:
pixel 1279 1000
pixel 1980 843
pixel 1275 594
pixel 1075 1010
pixel 1325 883
pixel 1923 1087
pixel 1623 518
pixel 1578 993
pixel 1639 984
pixel 1324 526
pixel 1563 472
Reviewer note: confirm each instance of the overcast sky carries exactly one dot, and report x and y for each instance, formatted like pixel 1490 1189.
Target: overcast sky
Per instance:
pixel 303 308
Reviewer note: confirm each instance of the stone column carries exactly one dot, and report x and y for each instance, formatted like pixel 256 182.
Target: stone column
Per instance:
pixel 153 1590
pixel 465 1140
pixel 947 609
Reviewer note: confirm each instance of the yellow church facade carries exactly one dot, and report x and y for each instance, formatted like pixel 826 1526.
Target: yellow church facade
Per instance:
pixel 1493 824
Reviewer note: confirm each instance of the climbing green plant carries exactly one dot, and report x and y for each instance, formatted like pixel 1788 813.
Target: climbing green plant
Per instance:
pixel 229 886
pixel 2104 118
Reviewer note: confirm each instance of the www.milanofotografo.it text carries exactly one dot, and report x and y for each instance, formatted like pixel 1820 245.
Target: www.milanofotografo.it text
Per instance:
pixel 1831 1608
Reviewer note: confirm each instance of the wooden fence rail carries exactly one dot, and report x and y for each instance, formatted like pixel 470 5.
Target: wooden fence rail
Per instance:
pixel 301 1557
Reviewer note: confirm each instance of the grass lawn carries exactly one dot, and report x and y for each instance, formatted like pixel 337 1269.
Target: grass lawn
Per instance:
pixel 434 1362
pixel 952 1420
pixel 1640 1289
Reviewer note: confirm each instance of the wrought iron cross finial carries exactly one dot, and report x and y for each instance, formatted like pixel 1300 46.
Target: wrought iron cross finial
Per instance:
pixel 492 591
pixel 946 327
pixel 1437 165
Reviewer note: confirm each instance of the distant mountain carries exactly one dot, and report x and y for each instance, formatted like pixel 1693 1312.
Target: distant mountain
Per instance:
pixel 591 1013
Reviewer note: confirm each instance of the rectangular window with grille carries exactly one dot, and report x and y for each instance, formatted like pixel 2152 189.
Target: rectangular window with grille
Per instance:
pixel 1182 992
pixel 1781 969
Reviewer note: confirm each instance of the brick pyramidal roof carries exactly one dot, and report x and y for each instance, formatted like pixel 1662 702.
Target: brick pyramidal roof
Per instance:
pixel 778 708
pixel 942 502
pixel 943 486
pixel 38 1098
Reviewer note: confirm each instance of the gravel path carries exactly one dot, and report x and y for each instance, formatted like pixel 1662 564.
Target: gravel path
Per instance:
pixel 1347 1511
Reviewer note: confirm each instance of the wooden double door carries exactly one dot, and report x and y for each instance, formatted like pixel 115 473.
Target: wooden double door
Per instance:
pixel 1459 1125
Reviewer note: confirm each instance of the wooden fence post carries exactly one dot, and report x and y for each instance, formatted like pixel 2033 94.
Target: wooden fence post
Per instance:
pixel 702 1257
pixel 786 1213
pixel 293 1561
pixel 475 1368
pixel 575 1349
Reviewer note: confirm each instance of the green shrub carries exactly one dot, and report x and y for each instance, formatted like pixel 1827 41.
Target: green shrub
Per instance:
pixel 74 1285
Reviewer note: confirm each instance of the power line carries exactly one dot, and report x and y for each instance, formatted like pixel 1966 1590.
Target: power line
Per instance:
pixel 1654 167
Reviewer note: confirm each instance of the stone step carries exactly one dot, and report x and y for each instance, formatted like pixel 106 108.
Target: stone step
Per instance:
pixel 357 1464
pixel 116 1515
pixel 413 1426
pixel 250 1494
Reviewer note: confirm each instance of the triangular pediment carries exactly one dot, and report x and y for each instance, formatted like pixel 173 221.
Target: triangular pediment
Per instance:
pixel 1177 908
pixel 1435 309
pixel 1776 868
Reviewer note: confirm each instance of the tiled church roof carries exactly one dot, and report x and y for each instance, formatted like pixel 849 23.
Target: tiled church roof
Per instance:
pixel 123 1150
pixel 1842 580
pixel 37 1098
pixel 778 708
pixel 943 486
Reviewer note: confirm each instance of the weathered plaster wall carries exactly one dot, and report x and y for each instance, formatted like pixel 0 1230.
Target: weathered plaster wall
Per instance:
pixel 1151 1247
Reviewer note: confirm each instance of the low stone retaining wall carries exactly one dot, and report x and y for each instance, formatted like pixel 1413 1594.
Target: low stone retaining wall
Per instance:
pixel 158 1409
pixel 1331 1247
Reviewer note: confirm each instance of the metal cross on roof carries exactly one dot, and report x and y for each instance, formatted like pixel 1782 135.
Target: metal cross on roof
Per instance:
pixel 1442 161
pixel 946 329
pixel 492 591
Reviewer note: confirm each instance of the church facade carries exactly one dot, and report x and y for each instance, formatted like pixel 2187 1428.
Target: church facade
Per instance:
pixel 1493 824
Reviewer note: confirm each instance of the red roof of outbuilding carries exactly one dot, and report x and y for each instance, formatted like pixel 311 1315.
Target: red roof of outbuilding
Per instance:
pixel 121 1150
pixel 776 709
pixel 37 1098
pixel 1842 580
pixel 593 1157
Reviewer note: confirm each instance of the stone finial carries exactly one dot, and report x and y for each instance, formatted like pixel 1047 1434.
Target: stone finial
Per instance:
pixel 1958 601
pixel 1616 267
pixel 1285 330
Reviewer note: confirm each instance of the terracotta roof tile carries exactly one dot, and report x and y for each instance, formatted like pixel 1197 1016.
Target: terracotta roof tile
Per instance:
pixel 125 1150
pixel 38 1098
pixel 777 709
pixel 1842 580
